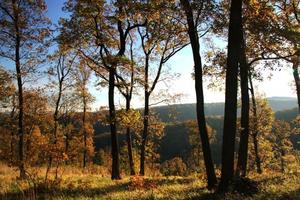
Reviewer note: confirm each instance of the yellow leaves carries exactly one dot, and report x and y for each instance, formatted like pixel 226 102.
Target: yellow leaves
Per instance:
pixel 174 167
pixel 128 118
pixel 158 48
pixel 155 16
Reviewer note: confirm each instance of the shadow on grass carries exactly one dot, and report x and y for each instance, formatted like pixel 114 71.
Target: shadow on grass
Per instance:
pixel 54 191
pixel 193 193
pixel 171 181
pixel 42 192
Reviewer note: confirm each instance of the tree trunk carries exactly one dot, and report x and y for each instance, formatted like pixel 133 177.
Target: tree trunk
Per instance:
pixel 20 90
pixel 84 132
pixel 115 174
pixel 256 152
pixel 12 114
pixel 230 117
pixel 255 131
pixel 297 81
pixel 55 118
pixel 192 31
pixel 67 136
pixel 146 116
pixel 241 169
pixel 145 134
pixel 129 142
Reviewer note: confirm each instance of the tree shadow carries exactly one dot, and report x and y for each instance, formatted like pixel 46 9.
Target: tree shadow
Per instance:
pixel 42 192
pixel 55 191
pixel 193 193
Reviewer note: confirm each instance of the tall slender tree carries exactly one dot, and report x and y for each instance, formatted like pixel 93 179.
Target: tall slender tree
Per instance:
pixel 61 71
pixel 23 32
pixel 125 85
pixel 244 133
pixel 194 39
pixel 161 38
pixel 255 132
pixel 82 76
pixel 229 130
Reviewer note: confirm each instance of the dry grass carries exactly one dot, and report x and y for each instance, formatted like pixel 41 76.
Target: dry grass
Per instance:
pixel 93 183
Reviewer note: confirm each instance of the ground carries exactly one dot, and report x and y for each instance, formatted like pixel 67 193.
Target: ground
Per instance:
pixel 73 183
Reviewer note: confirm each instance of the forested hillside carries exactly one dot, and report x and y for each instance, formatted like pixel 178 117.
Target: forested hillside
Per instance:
pixel 182 112
pixel 176 143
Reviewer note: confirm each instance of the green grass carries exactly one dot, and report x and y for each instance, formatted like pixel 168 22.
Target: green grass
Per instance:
pixel 76 184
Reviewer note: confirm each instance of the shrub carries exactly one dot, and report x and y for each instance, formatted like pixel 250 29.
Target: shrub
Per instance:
pixel 174 167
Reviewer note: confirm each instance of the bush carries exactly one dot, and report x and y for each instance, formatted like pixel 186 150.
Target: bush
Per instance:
pixel 174 167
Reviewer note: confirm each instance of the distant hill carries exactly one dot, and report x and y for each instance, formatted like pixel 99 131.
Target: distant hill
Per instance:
pixel 282 103
pixel 175 141
pixel 182 112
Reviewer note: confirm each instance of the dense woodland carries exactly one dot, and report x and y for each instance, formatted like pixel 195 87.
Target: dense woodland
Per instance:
pixel 123 47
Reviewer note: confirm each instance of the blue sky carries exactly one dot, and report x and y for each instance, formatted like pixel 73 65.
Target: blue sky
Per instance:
pixel 281 83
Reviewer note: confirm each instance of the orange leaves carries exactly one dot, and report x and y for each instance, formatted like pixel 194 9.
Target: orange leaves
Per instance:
pixel 140 183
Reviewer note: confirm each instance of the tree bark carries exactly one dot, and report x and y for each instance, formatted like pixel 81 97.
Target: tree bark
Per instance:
pixel 241 169
pixel 229 131
pixel 145 134
pixel 129 142
pixel 255 131
pixel 56 112
pixel 193 34
pixel 113 129
pixel 20 89
pixel 297 81
pixel 12 118
pixel 146 117
pixel 66 121
pixel 84 131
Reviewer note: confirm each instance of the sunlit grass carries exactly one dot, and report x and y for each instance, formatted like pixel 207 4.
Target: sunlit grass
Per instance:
pixel 75 183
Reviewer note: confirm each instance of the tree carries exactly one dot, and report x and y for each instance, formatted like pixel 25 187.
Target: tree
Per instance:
pixel 255 126
pixel 261 120
pixel 155 133
pixel 82 75
pixel 193 131
pixel 95 29
pixel 7 88
pixel 282 143
pixel 8 102
pixel 161 38
pixel 23 32
pixel 62 72
pixel 257 16
pixel 286 28
pixel 244 133
pixel 36 121
pixel 126 81
pixel 194 39
pixel 275 25
pixel 130 120
pixel 229 131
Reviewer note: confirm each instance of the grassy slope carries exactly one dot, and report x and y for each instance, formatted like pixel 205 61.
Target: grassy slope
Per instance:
pixel 75 184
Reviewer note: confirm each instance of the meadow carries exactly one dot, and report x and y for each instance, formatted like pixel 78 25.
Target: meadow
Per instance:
pixel 95 183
